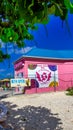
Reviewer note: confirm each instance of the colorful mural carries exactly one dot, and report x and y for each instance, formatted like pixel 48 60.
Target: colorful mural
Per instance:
pixel 45 75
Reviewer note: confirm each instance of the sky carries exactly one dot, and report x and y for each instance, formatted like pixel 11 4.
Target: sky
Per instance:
pixel 56 35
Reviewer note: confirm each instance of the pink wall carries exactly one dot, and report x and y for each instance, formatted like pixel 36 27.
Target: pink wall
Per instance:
pixel 65 74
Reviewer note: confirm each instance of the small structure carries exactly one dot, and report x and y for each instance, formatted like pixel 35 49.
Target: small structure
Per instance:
pixel 19 84
pixel 5 83
pixel 49 70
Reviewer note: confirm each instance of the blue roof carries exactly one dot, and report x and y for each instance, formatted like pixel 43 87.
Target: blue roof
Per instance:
pixel 50 54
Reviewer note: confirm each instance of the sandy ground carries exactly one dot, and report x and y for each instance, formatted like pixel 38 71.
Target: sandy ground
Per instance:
pixel 48 111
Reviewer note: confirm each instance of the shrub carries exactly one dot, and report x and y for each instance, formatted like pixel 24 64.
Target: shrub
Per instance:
pixel 70 91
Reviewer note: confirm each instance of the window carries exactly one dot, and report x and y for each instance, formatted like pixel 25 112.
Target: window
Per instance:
pixel 20 75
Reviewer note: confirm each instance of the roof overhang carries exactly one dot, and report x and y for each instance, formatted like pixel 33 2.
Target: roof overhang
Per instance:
pixel 46 58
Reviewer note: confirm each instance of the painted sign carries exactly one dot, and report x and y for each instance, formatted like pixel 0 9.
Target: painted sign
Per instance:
pixel 44 74
pixel 20 82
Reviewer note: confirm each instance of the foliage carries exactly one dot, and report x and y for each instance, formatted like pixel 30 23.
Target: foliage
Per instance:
pixel 70 91
pixel 18 16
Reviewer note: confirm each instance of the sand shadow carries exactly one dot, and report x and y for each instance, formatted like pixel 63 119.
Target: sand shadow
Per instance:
pixel 32 118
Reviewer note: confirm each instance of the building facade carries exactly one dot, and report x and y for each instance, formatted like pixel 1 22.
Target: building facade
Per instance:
pixel 46 74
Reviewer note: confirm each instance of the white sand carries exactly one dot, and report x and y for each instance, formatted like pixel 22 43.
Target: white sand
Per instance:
pixel 48 111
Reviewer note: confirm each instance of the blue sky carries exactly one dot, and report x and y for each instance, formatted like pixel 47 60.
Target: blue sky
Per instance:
pixel 56 35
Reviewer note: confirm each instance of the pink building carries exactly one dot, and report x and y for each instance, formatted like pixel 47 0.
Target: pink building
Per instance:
pixel 48 70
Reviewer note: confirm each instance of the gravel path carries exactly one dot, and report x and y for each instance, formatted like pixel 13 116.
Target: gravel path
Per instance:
pixel 48 111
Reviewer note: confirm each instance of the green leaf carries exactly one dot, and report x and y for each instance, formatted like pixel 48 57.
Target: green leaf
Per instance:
pixel 21 21
pixel 58 10
pixel 4 38
pixel 34 27
pixel 51 10
pixel 20 44
pixel 29 36
pixel 71 8
pixel 34 20
pixel 1 59
pixel 67 3
pixel 45 21
pixel 13 0
pixel 15 36
pixel 8 56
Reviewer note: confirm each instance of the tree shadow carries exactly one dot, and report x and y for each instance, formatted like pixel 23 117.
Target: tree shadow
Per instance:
pixel 32 118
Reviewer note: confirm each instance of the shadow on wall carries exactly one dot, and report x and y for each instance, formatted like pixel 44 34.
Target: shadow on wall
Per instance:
pixel 32 118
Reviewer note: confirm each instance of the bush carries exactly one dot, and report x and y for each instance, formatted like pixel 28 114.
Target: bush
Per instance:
pixel 70 91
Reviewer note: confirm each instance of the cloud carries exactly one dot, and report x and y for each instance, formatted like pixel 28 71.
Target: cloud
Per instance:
pixel 5 75
pixel 16 50
pixel 23 50
pixel 2 70
pixel 9 74
pixel 2 44
pixel 10 50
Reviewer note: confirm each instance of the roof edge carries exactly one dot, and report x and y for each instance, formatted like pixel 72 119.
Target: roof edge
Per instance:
pixel 47 58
